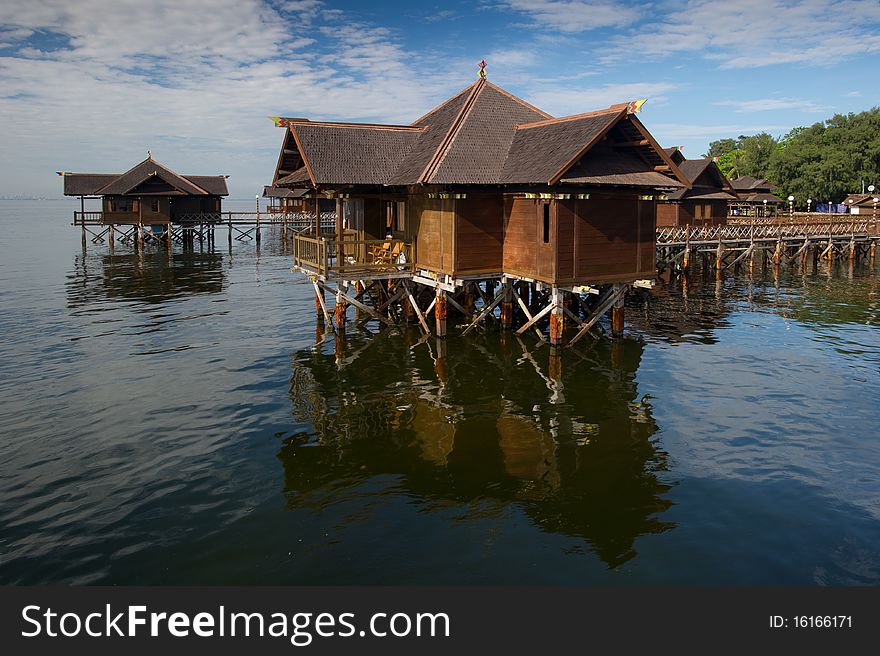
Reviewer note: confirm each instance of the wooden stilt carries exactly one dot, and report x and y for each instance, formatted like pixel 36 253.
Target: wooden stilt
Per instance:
pixel 507 306
pixel 319 300
pixel 873 251
pixel 557 317
pixel 340 309
pixel 418 312
pixel 606 302
pixel 440 313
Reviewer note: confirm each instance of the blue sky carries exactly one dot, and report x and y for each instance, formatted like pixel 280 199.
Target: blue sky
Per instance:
pixel 91 85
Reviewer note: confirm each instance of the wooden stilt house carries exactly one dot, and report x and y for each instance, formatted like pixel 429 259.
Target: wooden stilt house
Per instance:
pixel 149 194
pixel 705 203
pixel 754 197
pixel 487 184
pixel 483 186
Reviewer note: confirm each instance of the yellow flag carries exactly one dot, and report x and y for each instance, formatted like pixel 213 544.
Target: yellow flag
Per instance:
pixel 636 106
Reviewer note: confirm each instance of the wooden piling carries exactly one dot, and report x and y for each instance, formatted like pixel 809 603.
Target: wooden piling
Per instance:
pixel 557 317
pixel 507 307
pixel 440 313
pixel 340 309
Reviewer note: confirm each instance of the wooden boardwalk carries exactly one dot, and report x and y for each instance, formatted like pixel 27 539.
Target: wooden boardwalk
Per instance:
pixel 778 239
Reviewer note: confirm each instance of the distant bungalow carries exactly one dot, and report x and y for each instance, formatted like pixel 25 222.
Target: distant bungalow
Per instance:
pixel 149 194
pixel 705 203
pixel 862 203
pixel 754 197
pixel 484 186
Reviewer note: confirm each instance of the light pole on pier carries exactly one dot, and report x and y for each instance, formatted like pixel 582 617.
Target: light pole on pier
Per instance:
pixel 809 202
pixel 791 209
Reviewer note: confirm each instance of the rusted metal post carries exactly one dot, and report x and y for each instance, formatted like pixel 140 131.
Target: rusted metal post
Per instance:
pixel 617 312
pixel 557 317
pixel 440 312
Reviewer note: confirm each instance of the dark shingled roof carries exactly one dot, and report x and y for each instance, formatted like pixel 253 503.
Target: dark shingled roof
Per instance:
pixel 437 123
pixel 86 184
pixel 301 175
pixel 707 180
pixel 749 183
pixel 539 151
pixel 119 184
pixel 713 195
pixel 760 198
pixel 142 172
pixel 352 154
pixel 480 141
pixel 215 185
pixel 603 165
pixel 675 154
pixel 283 192
pixel 482 135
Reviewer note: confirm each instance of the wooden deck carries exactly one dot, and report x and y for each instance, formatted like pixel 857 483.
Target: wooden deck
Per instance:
pixel 353 259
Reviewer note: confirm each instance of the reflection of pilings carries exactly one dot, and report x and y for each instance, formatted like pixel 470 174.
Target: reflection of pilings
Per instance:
pixel 617 312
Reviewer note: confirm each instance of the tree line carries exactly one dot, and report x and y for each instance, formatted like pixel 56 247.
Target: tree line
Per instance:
pixel 825 161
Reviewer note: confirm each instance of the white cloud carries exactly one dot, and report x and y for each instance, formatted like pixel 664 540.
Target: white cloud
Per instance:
pixel 191 80
pixel 562 101
pixel 774 104
pixel 576 15
pixel 754 33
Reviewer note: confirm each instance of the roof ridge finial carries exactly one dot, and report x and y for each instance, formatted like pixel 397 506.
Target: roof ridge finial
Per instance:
pixel 482 74
pixel 149 154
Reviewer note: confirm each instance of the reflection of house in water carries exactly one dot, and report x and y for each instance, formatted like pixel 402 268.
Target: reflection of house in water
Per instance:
pixel 584 465
pixel 691 310
pixel 152 278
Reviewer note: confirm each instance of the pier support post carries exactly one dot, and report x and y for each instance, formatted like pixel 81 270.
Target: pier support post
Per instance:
pixel 440 312
pixel 340 309
pixel 358 292
pixel 507 307
pixel 470 301
pixel 557 317
pixel 111 238
pixel 719 257
pixel 617 313
pixel 257 230
pixel 873 251
pixel 319 301
pixel 140 236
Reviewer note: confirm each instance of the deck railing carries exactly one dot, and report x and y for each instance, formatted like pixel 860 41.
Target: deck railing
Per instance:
pixel 295 220
pixel 329 257
pixel 861 227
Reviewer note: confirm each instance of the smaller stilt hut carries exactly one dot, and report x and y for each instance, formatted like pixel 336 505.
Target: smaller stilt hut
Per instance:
pixel 705 203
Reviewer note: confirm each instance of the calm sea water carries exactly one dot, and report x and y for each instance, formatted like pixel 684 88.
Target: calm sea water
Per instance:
pixel 180 420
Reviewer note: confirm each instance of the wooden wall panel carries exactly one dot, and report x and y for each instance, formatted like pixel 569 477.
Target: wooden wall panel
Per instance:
pixel 667 214
pixel 611 235
pixel 565 238
pixel 434 240
pixel 520 236
pixel 478 234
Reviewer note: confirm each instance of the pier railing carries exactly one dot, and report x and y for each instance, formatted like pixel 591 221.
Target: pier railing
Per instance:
pixel 753 231
pixel 352 257
pixel 293 220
